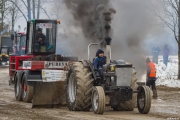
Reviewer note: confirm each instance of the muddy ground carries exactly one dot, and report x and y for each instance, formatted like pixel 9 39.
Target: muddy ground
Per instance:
pixel 166 106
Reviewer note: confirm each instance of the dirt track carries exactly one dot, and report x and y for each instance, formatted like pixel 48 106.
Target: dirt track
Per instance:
pixel 168 105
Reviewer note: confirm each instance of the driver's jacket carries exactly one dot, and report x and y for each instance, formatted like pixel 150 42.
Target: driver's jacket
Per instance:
pixel 43 39
pixel 98 63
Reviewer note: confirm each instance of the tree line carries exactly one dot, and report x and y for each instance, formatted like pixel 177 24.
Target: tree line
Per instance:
pixel 12 10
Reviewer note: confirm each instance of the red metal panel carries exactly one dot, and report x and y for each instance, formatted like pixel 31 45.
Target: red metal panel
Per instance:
pixel 19 61
pixel 22 33
pixel 11 65
pixel 37 65
pixel 16 63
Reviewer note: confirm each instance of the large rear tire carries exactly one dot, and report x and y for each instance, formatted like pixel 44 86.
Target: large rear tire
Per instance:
pixel 27 90
pixel 79 86
pixel 144 99
pixel 98 100
pixel 18 88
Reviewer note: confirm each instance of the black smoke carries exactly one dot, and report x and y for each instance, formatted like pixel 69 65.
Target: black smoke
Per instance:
pixel 90 16
pixel 135 29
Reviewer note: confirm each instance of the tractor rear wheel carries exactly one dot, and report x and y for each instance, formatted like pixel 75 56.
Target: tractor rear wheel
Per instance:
pixel 17 88
pixel 98 100
pixel 27 90
pixel 144 99
pixel 79 86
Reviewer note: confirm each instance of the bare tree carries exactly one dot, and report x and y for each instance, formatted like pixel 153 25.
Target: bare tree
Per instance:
pixel 33 5
pixel 44 11
pixel 41 9
pixel 18 8
pixel 38 6
pixel 171 18
pixel 38 9
pixel 3 9
pixel 28 8
pixel 13 10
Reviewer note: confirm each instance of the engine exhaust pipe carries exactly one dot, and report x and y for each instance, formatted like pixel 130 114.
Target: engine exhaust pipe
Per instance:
pixel 108 50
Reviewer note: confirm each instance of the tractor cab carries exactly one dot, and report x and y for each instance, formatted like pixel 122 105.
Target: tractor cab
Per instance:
pixel 41 37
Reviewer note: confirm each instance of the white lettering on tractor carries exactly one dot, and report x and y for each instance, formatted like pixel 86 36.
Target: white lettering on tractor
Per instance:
pixel 55 64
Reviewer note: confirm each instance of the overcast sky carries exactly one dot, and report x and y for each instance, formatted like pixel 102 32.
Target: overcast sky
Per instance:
pixel 70 33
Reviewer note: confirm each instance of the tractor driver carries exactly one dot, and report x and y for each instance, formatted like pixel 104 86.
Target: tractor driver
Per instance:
pixel 40 45
pixel 99 61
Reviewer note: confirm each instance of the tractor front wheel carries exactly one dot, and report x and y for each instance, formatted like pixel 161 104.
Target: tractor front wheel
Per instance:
pixel 144 99
pixel 98 100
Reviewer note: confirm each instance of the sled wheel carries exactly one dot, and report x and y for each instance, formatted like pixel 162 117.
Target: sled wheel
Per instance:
pixel 144 99
pixel 27 91
pixel 18 88
pixel 98 100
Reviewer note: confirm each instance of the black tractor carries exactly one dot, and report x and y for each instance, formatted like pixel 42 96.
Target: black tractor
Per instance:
pixel 86 89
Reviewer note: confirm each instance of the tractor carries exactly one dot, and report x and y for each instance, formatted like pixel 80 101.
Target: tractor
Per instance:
pixel 5 48
pixel 85 88
pixel 11 46
pixel 19 46
pixel 20 43
pixel 39 75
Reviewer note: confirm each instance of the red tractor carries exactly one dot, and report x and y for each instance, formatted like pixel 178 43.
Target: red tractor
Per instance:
pixel 19 46
pixel 39 75
pixel 20 43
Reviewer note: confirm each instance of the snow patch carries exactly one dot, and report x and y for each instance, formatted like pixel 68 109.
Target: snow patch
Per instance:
pixel 167 76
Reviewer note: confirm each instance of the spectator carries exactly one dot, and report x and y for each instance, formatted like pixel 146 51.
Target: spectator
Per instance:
pixel 165 54
pixel 155 52
pixel 151 77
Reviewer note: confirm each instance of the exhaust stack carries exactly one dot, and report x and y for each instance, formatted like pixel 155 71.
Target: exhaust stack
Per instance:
pixel 108 50
pixel 107 21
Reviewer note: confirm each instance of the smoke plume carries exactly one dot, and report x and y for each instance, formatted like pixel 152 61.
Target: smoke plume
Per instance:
pixel 133 24
pixel 135 29
pixel 91 15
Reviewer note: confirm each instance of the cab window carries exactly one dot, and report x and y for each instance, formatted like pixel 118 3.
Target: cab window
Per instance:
pixel 45 37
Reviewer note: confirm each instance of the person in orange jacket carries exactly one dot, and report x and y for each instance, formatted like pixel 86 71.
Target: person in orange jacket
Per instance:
pixel 151 77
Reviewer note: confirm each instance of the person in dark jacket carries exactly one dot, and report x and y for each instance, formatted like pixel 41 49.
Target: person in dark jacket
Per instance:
pixel 40 40
pixel 165 54
pixel 151 77
pixel 155 52
pixel 99 61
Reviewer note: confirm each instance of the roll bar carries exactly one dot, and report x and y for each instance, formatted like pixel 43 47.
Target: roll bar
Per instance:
pixel 89 49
